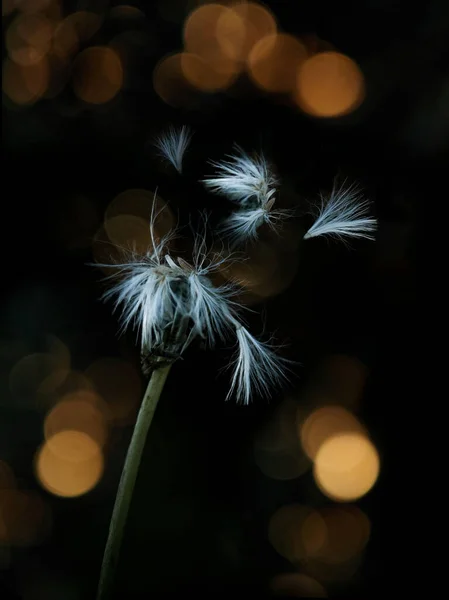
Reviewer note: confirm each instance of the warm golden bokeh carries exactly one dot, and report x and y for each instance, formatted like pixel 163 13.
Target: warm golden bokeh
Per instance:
pixel 212 45
pixel 28 39
pixel 72 445
pixel 83 411
pixel 7 7
pixel 69 464
pixel 25 85
pixel 266 271
pixel 171 85
pixel 86 24
pixel 97 75
pixel 323 423
pixel 203 74
pixel 65 40
pixel 125 11
pixel 119 384
pixel 297 532
pixel 297 585
pixel 36 373
pixel 274 62
pixel 7 479
pixel 33 6
pixel 346 466
pixel 329 84
pixel 139 204
pixel 129 232
pixel 347 533
pixel 241 27
pixel 24 518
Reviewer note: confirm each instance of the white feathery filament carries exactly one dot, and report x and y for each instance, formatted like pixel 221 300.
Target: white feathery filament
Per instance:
pixel 249 182
pixel 344 214
pixel 172 145
pixel 156 292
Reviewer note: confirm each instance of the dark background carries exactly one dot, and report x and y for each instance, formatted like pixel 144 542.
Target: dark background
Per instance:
pixel 199 491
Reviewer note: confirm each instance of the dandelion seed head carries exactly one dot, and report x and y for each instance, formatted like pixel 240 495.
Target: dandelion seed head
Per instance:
pixel 244 179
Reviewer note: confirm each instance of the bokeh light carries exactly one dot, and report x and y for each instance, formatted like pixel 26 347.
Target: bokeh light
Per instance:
pixel 139 203
pixel 127 218
pixel 346 466
pixel 32 6
pixel 203 75
pixel 28 39
pixel 208 63
pixel 297 532
pixel 25 85
pixel 274 61
pixel 119 384
pixel 86 24
pixel 125 11
pixel 7 479
pixel 324 423
pixel 347 533
pixel 240 27
pixel 83 411
pixel 268 270
pixel 329 84
pixel 170 83
pixel 65 40
pixel 7 7
pixel 130 232
pixel 297 585
pixel 36 373
pixel 69 464
pixel 24 518
pixel 97 75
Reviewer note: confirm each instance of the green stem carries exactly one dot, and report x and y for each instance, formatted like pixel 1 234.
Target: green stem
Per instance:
pixel 128 479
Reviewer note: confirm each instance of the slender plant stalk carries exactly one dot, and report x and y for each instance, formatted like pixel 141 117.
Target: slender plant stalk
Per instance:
pixel 128 479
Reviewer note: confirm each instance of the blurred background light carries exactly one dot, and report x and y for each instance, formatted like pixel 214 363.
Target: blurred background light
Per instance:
pixel 274 61
pixel 329 84
pixel 83 411
pixel 203 75
pixel 24 518
pixel 241 26
pixel 97 75
pixel 25 85
pixel 126 12
pixel 324 423
pixel 347 533
pixel 346 466
pixel 128 231
pixel 69 464
pixel 28 39
pixel 66 41
pixel 208 62
pixel 170 83
pixel 297 532
pixel 86 24
pixel 297 585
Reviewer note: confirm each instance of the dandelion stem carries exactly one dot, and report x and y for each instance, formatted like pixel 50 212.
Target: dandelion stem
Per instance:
pixel 128 479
